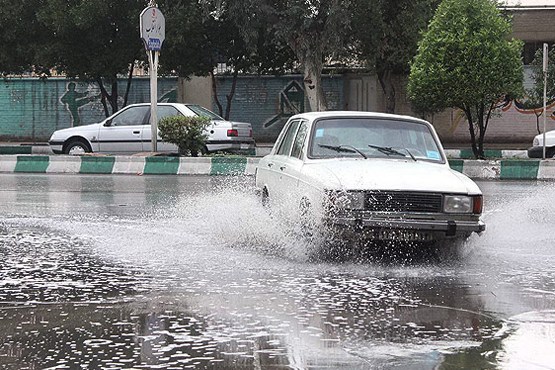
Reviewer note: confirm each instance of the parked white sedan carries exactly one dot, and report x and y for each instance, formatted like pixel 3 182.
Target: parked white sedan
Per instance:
pixel 536 150
pixel 129 131
pixel 370 176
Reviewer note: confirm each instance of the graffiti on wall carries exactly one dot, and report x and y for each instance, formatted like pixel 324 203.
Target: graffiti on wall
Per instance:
pixel 291 102
pixel 74 100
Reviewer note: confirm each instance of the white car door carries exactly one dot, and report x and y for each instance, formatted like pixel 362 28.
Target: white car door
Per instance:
pixel 291 166
pixel 281 186
pixel 122 132
pixel 146 130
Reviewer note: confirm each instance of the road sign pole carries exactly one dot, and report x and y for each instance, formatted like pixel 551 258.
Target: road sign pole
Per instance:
pixel 153 61
pixel 153 32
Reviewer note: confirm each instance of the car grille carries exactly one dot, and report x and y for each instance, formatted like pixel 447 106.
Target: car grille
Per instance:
pixel 392 201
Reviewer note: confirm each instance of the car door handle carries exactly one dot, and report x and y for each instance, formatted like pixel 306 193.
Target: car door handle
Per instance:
pixel 270 164
pixel 282 168
pixel 137 132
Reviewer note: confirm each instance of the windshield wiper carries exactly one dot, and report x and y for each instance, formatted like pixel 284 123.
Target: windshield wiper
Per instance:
pixel 343 148
pixel 387 150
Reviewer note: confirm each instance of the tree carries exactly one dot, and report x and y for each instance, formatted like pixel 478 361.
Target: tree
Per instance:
pixel 201 35
pixel 94 40
pixel 396 29
pixel 466 61
pixel 314 30
pixel 22 36
pixel 534 95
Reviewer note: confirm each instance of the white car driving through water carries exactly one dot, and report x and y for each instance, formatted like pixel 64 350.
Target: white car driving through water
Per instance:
pixel 370 176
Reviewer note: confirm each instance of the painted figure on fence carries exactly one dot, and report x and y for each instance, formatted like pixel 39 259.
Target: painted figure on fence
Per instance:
pixel 75 100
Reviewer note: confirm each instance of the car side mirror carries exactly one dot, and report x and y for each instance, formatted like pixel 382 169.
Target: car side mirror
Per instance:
pixel 108 123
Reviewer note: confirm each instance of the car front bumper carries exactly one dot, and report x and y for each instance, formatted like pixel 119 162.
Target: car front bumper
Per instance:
pixel 56 146
pixel 537 151
pixel 408 228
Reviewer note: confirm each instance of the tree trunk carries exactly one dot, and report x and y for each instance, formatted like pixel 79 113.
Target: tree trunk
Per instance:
pixel 215 94
pixel 129 79
pixel 114 95
pixel 110 98
pixel 229 97
pixel 468 114
pixel 388 88
pixel 313 86
pixel 103 94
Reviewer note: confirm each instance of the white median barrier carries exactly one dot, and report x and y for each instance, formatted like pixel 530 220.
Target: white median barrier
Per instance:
pixel 194 166
pixel 251 165
pixel 64 164
pixel 482 169
pixel 546 171
pixel 127 165
pixel 8 163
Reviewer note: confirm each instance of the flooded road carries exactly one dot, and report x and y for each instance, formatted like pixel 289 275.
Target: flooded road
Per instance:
pixel 154 272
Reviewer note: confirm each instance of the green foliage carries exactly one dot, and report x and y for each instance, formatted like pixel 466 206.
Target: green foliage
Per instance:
pixel 465 58
pixel 22 35
pixel 397 27
pixel 467 61
pixel 188 133
pixel 534 95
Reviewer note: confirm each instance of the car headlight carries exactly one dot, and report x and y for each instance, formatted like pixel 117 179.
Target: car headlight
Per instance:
pixel 462 204
pixel 346 200
pixel 536 142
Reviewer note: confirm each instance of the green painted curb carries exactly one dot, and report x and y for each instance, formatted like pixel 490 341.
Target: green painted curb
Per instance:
pixel 525 170
pixel 228 165
pixel 16 150
pixel 34 163
pixel 457 164
pixel 161 165
pixel 102 165
pixel 488 153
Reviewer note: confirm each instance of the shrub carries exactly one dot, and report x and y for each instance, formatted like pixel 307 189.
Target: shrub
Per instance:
pixel 188 133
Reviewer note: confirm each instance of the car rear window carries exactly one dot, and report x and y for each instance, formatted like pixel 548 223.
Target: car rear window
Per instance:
pixel 203 112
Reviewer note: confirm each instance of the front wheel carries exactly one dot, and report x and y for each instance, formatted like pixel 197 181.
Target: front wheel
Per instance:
pixel 77 147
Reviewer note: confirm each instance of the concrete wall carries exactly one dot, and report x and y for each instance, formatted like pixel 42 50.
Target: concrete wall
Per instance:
pixel 268 101
pixel 31 109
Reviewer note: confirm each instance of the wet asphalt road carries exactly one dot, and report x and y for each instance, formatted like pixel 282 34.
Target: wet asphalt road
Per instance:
pixel 154 272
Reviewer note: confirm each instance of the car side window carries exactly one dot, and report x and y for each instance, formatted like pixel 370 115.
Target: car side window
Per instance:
pixel 167 111
pixel 297 150
pixel 132 116
pixel 287 142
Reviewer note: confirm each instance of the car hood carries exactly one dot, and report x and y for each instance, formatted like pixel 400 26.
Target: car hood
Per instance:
pixel 389 174
pixel 66 132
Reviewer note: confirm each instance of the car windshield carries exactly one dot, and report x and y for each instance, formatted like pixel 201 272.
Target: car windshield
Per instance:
pixel 373 137
pixel 203 112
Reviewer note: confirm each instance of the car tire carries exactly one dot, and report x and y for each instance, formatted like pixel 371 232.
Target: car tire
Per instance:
pixel 77 147
pixel 550 152
pixel 265 198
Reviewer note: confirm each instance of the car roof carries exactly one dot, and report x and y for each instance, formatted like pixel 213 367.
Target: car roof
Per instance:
pixel 330 114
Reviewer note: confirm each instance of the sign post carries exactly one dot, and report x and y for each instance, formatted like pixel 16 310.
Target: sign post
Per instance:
pixel 153 32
